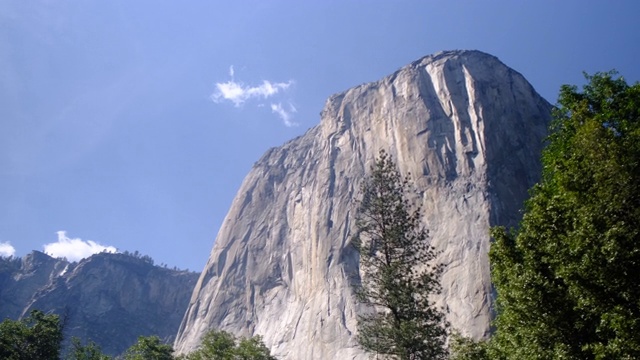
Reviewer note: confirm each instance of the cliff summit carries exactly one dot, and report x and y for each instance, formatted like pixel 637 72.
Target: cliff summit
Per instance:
pixel 466 127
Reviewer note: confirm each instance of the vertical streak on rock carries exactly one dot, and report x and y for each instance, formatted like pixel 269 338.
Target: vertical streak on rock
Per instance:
pixel 467 128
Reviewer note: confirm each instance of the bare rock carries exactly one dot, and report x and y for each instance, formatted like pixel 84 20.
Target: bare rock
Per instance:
pixel 465 126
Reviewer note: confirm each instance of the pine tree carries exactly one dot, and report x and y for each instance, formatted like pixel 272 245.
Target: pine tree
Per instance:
pixel 399 277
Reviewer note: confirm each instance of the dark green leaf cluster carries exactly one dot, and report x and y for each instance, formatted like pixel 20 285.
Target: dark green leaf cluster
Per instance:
pixel 398 275
pixel 463 348
pixel 90 351
pixel 36 337
pixel 567 279
pixel 149 348
pixel 221 345
pixel 40 337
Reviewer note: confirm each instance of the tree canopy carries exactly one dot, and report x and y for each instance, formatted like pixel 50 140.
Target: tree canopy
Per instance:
pixel 36 337
pixel 567 279
pixel 399 276
pixel 40 336
pixel 149 348
pixel 221 345
pixel 90 351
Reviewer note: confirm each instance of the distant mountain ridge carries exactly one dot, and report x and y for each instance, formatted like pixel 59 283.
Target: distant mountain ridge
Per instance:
pixel 110 299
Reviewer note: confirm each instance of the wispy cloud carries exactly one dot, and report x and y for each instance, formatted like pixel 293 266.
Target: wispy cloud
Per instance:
pixel 75 249
pixel 6 249
pixel 238 93
pixel 285 114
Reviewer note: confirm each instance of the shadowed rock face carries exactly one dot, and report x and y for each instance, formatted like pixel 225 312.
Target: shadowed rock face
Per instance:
pixel 468 129
pixel 110 299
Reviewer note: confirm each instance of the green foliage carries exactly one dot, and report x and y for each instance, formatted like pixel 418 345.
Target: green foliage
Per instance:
pixel 567 279
pixel 463 348
pixel 149 348
pixel 91 351
pixel 218 345
pixel 253 349
pixel 221 345
pixel 399 276
pixel 35 337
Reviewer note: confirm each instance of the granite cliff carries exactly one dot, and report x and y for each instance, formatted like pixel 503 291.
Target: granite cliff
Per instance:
pixel 108 298
pixel 470 131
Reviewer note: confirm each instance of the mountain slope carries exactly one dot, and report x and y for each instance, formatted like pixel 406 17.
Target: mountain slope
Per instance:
pixel 108 298
pixel 468 129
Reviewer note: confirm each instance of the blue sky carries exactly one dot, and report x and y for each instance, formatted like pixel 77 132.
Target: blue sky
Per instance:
pixel 131 124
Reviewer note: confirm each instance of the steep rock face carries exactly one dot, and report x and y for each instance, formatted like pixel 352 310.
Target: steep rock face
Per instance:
pixel 21 278
pixel 468 129
pixel 110 299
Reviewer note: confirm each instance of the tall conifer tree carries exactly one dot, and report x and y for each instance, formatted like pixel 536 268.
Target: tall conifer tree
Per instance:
pixel 399 276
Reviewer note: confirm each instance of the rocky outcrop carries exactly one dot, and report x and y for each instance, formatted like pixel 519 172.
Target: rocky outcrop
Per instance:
pixel 110 299
pixel 469 130
pixel 22 278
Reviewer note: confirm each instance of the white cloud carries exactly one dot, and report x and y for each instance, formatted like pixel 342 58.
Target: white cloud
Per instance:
pixel 6 249
pixel 237 93
pixel 75 249
pixel 285 115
